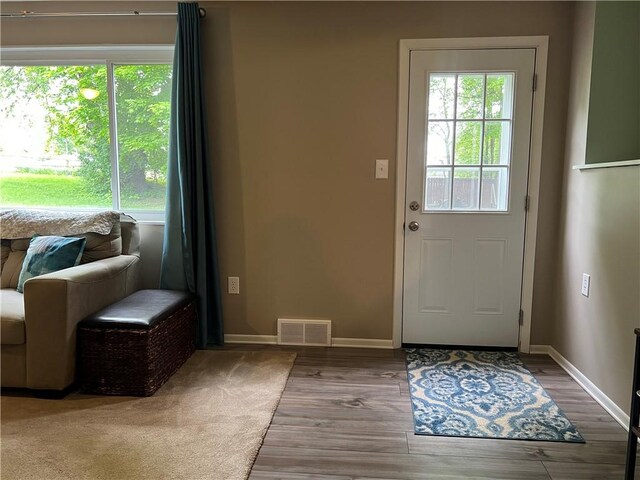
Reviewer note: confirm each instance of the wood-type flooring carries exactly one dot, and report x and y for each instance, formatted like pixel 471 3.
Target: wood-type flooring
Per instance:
pixel 346 414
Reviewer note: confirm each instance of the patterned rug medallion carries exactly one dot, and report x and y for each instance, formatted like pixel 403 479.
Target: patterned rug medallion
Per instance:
pixel 482 394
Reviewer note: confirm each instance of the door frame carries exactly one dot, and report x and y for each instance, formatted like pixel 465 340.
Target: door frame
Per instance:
pixel 541 45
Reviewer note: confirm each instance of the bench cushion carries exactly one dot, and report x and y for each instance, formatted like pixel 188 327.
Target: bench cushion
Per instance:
pixel 12 326
pixel 140 310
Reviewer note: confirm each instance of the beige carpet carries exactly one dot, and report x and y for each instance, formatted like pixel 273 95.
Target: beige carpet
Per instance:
pixel 207 422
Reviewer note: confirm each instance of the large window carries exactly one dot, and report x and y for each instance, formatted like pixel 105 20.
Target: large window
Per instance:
pixel 85 129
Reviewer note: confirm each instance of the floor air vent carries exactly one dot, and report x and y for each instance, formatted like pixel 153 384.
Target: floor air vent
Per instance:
pixel 304 332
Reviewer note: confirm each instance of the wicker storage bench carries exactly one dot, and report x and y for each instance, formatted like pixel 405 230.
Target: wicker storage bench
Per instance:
pixel 134 346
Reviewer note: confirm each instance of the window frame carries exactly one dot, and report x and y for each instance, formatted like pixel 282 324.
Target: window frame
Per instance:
pixel 455 119
pixel 110 56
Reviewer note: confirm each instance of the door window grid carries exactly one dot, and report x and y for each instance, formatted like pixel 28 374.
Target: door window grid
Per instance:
pixel 467 168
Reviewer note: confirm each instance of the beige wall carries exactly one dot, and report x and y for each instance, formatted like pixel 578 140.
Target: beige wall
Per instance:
pixel 87 30
pixel 309 103
pixel 600 235
pixel 151 238
pixel 302 100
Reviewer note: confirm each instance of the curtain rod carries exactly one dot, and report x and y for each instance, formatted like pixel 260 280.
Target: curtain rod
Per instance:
pixel 134 13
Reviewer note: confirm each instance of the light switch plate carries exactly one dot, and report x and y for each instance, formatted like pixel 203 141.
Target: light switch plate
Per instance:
pixel 382 168
pixel 586 283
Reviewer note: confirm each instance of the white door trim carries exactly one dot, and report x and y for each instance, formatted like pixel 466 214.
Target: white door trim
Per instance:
pixel 541 44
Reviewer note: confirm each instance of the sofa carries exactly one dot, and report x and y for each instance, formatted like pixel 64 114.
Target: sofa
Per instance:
pixel 38 326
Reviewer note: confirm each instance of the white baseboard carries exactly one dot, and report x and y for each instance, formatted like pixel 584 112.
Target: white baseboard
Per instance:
pixel 255 339
pixel 598 395
pixel 362 343
pixel 335 342
pixel 539 349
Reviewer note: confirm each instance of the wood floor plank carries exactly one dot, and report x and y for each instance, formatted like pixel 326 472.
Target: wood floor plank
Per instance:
pixel 559 383
pixel 340 413
pixel 264 475
pixel 394 466
pixel 592 452
pixel 586 408
pixel 344 420
pixel 346 400
pixel 570 396
pixel 318 438
pixel 573 471
pixel 601 431
pixel 349 374
pixel 322 386
pixel 352 362
pixel 350 352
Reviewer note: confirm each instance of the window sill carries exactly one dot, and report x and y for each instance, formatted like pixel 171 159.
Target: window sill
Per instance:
pixel 151 222
pixel 591 166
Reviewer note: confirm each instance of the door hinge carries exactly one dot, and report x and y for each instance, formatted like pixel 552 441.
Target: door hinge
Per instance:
pixel 534 83
pixel 527 202
pixel 521 317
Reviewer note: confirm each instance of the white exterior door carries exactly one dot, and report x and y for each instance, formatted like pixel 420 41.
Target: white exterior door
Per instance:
pixel 467 167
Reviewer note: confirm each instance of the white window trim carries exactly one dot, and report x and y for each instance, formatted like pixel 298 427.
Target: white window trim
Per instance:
pixel 108 55
pixel 35 55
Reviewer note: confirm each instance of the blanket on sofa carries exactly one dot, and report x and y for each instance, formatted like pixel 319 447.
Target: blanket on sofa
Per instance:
pixel 27 223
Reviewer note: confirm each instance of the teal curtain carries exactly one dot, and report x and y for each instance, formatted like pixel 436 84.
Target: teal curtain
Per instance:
pixel 189 259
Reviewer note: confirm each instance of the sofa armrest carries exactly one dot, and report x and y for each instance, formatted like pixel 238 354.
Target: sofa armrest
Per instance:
pixel 54 304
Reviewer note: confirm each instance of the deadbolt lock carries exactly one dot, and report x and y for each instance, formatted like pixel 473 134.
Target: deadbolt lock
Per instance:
pixel 413 206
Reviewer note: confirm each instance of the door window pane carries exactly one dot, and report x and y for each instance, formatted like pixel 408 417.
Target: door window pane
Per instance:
pixel 474 139
pixel 495 185
pixel 441 96
pixel 468 143
pixel 143 96
pixel 470 96
pixel 438 188
pixel 499 102
pixel 439 143
pixel 466 182
pixel 497 143
pixel 54 140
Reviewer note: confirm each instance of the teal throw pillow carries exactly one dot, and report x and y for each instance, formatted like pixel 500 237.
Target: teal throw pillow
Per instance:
pixel 48 254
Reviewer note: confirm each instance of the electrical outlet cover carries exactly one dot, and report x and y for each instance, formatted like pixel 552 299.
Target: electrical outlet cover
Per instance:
pixel 233 285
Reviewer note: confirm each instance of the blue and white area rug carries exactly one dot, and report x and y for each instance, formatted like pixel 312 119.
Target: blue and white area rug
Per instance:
pixel 482 394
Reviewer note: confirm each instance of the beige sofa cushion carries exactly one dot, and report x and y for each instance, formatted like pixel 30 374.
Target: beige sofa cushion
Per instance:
pixel 102 246
pixel 12 268
pixel 12 326
pixel 97 247
pixel 6 249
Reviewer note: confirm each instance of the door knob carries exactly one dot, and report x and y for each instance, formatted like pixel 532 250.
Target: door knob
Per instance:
pixel 413 226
